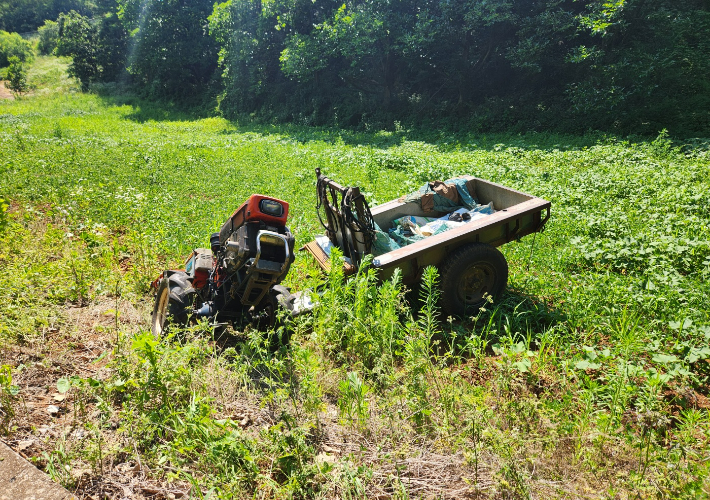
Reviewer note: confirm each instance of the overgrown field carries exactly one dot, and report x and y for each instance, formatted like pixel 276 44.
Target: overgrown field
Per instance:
pixel 588 379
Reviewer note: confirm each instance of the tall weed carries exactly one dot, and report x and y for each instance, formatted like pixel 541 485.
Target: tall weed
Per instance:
pixel 358 322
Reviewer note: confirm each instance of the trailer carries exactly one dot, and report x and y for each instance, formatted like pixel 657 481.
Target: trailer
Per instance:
pixel 470 265
pixel 237 280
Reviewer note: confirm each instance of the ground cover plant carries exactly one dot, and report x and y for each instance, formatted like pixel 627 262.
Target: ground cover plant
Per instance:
pixel 588 378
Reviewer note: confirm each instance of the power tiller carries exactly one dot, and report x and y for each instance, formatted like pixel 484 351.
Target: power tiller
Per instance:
pixel 236 281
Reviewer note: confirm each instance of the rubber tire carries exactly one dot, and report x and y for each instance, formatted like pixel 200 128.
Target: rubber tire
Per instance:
pixel 470 273
pixel 278 297
pixel 173 301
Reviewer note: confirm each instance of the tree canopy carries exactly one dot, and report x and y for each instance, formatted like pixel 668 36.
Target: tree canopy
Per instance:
pixel 13 45
pixel 171 52
pixel 632 65
pixel 624 65
pixel 23 16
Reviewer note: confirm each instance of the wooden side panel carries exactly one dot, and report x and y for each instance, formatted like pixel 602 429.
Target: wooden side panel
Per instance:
pixel 323 260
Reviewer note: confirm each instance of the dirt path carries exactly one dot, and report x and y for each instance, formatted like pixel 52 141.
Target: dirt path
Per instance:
pixel 5 92
pixel 42 417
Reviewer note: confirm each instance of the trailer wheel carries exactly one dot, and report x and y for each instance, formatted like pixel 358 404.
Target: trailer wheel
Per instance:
pixel 173 301
pixel 470 274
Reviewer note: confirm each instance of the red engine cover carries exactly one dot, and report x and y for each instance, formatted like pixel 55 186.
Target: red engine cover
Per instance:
pixel 253 210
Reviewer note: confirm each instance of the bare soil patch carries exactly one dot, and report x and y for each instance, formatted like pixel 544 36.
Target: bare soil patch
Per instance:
pixel 5 93
pixel 46 420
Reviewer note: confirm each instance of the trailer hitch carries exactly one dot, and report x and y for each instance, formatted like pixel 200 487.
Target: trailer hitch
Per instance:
pixel 348 221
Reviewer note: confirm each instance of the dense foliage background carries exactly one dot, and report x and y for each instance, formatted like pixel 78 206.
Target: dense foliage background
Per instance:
pixel 588 378
pixel 628 66
pixel 23 16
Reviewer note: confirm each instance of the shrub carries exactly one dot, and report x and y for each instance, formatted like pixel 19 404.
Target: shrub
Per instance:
pixel 17 76
pixel 13 45
pixel 3 214
pixel 48 37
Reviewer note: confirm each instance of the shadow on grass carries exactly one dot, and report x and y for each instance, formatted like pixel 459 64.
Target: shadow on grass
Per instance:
pixel 515 317
pixel 145 110
pixel 382 139
pixel 268 340
pixel 444 141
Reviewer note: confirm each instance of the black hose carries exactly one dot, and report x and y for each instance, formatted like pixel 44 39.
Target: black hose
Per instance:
pixel 366 226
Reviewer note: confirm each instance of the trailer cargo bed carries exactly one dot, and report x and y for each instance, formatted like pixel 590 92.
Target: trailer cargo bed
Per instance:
pixel 470 265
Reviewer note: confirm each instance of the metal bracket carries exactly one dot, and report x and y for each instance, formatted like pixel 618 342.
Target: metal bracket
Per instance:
pixel 541 226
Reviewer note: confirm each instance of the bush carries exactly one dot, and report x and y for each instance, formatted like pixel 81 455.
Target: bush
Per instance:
pixel 17 76
pixel 3 214
pixel 48 37
pixel 12 44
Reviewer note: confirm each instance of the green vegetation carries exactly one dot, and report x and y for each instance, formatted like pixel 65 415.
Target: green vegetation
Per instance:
pixel 629 66
pixel 48 37
pixel 588 377
pixel 13 45
pixel 48 75
pixel 17 76
pixel 569 66
pixel 97 49
pixel 171 54
pixel 23 16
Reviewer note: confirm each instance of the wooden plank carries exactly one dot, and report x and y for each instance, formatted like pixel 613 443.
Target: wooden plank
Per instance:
pixel 323 260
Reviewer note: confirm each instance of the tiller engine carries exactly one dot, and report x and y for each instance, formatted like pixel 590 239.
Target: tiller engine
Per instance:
pixel 237 280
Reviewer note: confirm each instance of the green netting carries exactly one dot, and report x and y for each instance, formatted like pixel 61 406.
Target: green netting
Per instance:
pixel 382 243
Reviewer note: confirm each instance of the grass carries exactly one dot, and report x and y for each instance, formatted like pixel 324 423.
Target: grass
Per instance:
pixel 589 378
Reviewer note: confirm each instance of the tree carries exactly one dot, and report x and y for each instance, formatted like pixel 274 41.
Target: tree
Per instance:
pixel 362 41
pixel 13 45
pixel 78 38
pixel 17 76
pixel 456 45
pixel 112 48
pixel 171 52
pixel 48 37
pixel 97 47
pixel 251 40
pixel 23 16
pixel 642 66
pixel 630 65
